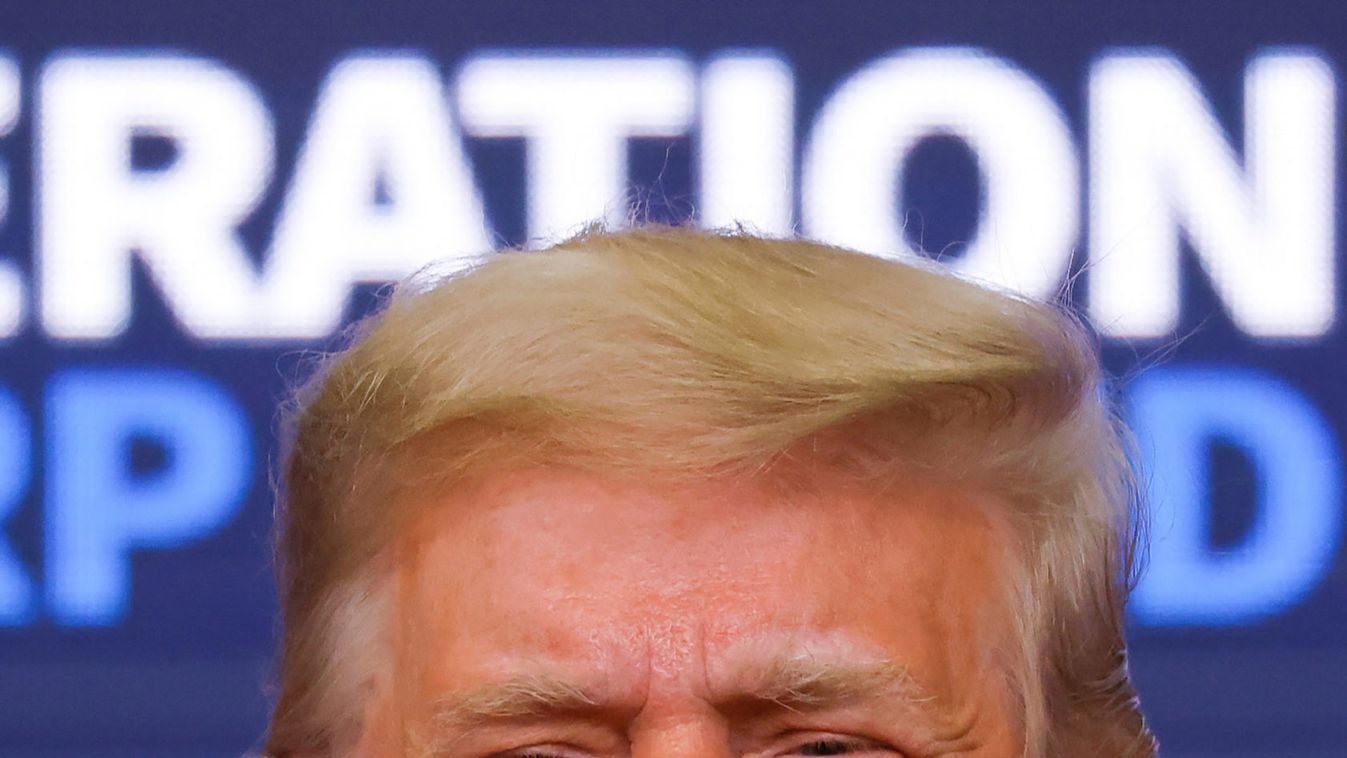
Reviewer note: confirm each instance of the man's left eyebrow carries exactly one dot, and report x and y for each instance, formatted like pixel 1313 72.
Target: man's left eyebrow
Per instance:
pixel 806 683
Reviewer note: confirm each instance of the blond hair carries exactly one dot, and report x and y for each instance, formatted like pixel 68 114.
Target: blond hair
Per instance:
pixel 702 354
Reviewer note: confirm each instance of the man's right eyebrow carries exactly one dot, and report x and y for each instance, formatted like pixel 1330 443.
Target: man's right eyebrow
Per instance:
pixel 523 696
pixel 517 697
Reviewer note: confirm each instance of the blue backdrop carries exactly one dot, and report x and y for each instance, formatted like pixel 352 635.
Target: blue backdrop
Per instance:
pixel 193 195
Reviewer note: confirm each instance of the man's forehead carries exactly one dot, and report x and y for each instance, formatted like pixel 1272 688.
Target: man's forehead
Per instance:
pixel 603 576
pixel 590 510
pixel 664 556
pixel 577 534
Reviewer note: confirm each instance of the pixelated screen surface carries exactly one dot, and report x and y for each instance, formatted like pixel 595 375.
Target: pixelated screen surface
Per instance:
pixel 194 195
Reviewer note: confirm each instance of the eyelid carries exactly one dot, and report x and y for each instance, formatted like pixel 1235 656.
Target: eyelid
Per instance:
pixel 540 751
pixel 796 743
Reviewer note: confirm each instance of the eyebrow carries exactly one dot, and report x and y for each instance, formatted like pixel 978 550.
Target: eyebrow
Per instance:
pixel 517 697
pixel 806 683
pixel 520 697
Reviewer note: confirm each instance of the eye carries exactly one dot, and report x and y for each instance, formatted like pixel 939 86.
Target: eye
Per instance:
pixel 544 751
pixel 541 751
pixel 837 746
pixel 550 750
pixel 827 747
